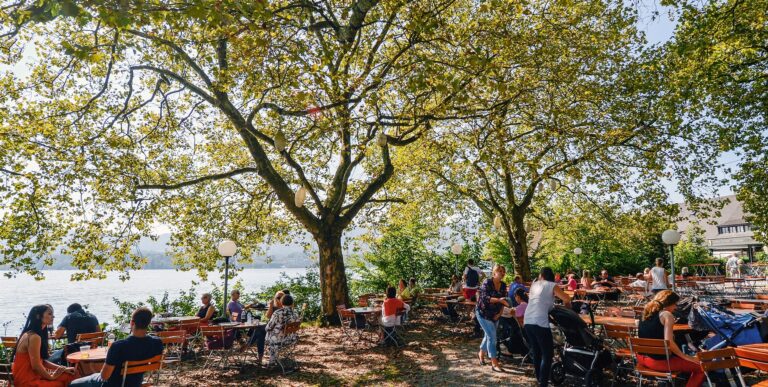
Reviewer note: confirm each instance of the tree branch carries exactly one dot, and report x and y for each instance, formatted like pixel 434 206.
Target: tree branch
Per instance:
pixel 187 183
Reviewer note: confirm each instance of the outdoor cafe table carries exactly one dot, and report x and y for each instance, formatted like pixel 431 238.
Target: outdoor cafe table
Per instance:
pixel 748 300
pixel 90 361
pixel 628 322
pixel 173 320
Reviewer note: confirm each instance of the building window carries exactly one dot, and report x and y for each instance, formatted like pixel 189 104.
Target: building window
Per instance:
pixel 734 229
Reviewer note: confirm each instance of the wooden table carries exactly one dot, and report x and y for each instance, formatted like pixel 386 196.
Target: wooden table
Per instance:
pixel 173 320
pixel 90 361
pixel 628 322
pixel 747 300
pixel 241 325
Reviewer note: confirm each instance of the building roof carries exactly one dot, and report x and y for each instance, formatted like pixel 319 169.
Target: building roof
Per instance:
pixel 727 212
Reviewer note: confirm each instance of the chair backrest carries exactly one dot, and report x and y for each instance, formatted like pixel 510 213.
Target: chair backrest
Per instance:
pixel 177 333
pixel 618 332
pixel 718 359
pixel 762 297
pixel 442 302
pixel 752 358
pixel 363 300
pixel 172 340
pixel 646 347
pixel 9 341
pixel 346 314
pixel 5 373
pixel 189 326
pixel 212 331
pixel 141 366
pixel 96 338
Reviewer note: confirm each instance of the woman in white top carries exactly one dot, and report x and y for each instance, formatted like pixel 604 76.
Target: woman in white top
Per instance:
pixel 541 299
pixel 658 278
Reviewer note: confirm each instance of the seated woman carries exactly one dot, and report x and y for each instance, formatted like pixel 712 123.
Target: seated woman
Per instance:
pixel 572 284
pixel 657 323
pixel 207 311
pixel 586 280
pixel 389 310
pixel 275 328
pixel 30 367
pixel 403 292
pixel 455 286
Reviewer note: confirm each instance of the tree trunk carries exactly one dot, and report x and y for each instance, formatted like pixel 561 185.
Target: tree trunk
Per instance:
pixel 333 278
pixel 518 243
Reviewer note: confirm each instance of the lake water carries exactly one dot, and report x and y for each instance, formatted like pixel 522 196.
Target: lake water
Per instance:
pixel 18 295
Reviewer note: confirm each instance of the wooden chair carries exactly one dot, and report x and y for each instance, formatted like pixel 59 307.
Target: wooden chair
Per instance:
pixel 193 338
pixel 212 335
pixel 9 341
pixel 651 347
pixel 153 364
pixel 173 343
pixel 6 376
pixel 96 338
pixel 349 329
pixel 762 296
pixel 285 352
pixel 720 359
pixel 755 359
pixel 618 336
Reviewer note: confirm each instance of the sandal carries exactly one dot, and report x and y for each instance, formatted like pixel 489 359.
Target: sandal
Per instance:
pixel 497 369
pixel 480 357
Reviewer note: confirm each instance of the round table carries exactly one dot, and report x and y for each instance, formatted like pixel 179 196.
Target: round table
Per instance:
pixel 90 361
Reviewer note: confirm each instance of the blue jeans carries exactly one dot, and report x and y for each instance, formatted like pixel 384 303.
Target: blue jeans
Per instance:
pixel 542 350
pixel 93 380
pixel 489 339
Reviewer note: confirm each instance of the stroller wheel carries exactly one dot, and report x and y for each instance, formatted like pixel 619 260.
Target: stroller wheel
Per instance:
pixel 557 373
pixel 594 378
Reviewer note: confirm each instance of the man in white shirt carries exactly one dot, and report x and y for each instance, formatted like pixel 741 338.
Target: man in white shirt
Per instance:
pixel 732 266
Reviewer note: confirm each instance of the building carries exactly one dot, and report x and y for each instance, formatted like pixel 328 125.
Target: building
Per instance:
pixel 726 234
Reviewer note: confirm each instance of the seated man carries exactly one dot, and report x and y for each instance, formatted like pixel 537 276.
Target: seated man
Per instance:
pixel 517 283
pixel 234 307
pixel 392 305
pixel 138 346
pixel 76 321
pixel 606 284
pixel 640 281
pixel 275 328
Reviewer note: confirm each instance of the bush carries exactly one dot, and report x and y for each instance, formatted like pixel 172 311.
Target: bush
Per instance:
pixel 408 250
pixel 304 288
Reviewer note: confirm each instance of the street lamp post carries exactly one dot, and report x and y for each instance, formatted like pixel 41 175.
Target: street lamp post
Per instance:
pixel 456 250
pixel 227 249
pixel 671 238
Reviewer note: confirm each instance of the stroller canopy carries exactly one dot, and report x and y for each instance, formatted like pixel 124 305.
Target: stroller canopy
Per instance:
pixel 576 331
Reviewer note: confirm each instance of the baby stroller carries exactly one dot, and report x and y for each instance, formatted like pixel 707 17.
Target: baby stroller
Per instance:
pixel 583 354
pixel 730 330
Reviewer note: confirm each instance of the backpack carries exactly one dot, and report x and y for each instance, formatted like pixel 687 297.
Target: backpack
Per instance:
pixel 472 277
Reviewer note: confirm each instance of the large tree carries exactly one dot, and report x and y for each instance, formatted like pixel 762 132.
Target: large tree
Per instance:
pixel 569 106
pixel 213 118
pixel 718 71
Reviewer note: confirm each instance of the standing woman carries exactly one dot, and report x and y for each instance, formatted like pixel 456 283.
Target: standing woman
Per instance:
pixel 490 302
pixel 658 278
pixel 541 299
pixel 658 323
pixel 30 367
